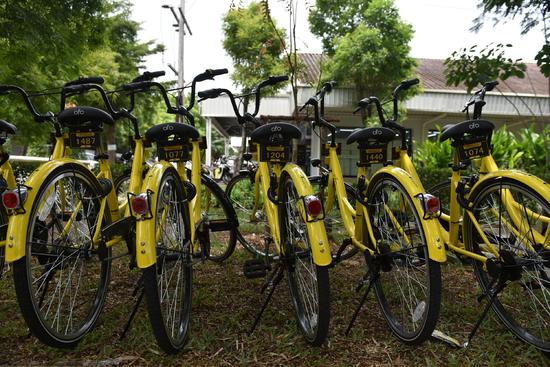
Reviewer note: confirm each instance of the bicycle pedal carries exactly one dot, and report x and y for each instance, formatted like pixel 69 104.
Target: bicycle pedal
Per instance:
pixel 255 268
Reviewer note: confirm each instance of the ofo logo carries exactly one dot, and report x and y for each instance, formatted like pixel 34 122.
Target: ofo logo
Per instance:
pixel 377 132
pixel 79 112
pixel 275 129
pixel 473 125
pixel 167 128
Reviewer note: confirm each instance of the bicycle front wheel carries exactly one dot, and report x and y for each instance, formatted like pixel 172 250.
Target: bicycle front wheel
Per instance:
pixel 409 284
pixel 62 280
pixel 308 282
pixel 515 219
pixel 168 283
pixel 253 231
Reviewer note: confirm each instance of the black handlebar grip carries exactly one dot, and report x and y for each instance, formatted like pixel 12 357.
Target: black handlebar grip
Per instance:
pixel 148 76
pixel 490 85
pixel 216 72
pixel 4 89
pixel 409 83
pixel 86 80
pixel 210 74
pixel 210 93
pixel 272 80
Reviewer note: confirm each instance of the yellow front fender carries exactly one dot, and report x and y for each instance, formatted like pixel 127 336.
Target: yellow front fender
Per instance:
pixel 539 185
pixel 16 236
pixel 146 250
pixel 436 248
pixel 317 234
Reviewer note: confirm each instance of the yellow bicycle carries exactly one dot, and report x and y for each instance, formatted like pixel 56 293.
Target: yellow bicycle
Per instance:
pixel 500 219
pixel 173 229
pixel 392 223
pixel 295 220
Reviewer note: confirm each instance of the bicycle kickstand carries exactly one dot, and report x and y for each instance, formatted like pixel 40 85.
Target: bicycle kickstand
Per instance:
pixel 372 276
pixel 139 286
pixel 491 295
pixel 272 281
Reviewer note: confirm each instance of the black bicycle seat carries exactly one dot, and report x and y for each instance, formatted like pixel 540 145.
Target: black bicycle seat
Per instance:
pixel 472 127
pixel 374 134
pixel 84 117
pixel 162 132
pixel 276 133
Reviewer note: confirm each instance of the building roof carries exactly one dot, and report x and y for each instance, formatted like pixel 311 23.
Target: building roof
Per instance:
pixel 432 77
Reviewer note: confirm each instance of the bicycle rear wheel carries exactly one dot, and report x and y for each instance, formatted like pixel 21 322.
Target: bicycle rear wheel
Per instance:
pixel 221 218
pixel 62 280
pixel 253 229
pixel 308 282
pixel 168 283
pixel 3 223
pixel 523 305
pixel 409 286
pixel 336 231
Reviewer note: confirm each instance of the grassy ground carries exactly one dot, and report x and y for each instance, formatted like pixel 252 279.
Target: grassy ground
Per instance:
pixel 225 304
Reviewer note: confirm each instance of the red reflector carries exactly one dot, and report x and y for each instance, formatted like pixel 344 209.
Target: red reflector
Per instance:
pixel 431 204
pixel 313 205
pixel 140 204
pixel 10 199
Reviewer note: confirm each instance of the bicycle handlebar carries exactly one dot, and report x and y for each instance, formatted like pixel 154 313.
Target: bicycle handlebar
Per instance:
pixel 247 117
pixel 208 74
pixel 6 89
pixel 86 80
pixel 148 76
pixel 478 99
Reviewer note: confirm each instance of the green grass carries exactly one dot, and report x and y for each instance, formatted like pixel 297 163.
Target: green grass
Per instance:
pixel 225 304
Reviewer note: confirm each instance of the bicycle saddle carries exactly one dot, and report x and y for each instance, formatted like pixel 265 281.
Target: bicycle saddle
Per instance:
pixel 473 127
pixel 161 132
pixel 275 133
pixel 85 117
pixel 7 127
pixel 375 134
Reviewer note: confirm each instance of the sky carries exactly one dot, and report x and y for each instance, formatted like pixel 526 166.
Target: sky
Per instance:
pixel 441 27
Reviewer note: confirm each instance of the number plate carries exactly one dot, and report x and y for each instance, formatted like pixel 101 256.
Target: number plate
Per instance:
pixel 84 139
pixel 275 154
pixel 373 154
pixel 173 153
pixel 473 149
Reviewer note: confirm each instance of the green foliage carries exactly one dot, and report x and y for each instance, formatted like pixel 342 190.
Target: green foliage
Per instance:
pixel 374 55
pixel 253 45
pixel 333 19
pixel 525 149
pixel 45 43
pixel 531 12
pixel 472 66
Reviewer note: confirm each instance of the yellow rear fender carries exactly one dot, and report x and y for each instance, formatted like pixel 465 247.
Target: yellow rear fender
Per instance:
pixel 436 248
pixel 146 251
pixel 539 185
pixel 16 236
pixel 317 234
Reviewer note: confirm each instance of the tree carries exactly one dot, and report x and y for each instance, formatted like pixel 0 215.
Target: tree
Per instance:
pixel 255 49
pixel 331 20
pixel 44 43
pixel 470 66
pixel 374 55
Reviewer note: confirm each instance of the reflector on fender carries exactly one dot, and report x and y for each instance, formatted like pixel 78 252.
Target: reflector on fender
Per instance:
pixel 140 204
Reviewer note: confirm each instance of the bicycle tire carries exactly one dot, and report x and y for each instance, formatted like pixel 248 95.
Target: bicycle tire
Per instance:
pixel 253 229
pixel 222 220
pixel 48 255
pixel 313 309
pixel 522 306
pixel 172 268
pixel 336 231
pixel 411 314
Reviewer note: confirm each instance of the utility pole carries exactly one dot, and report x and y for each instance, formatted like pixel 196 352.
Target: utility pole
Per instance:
pixel 181 25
